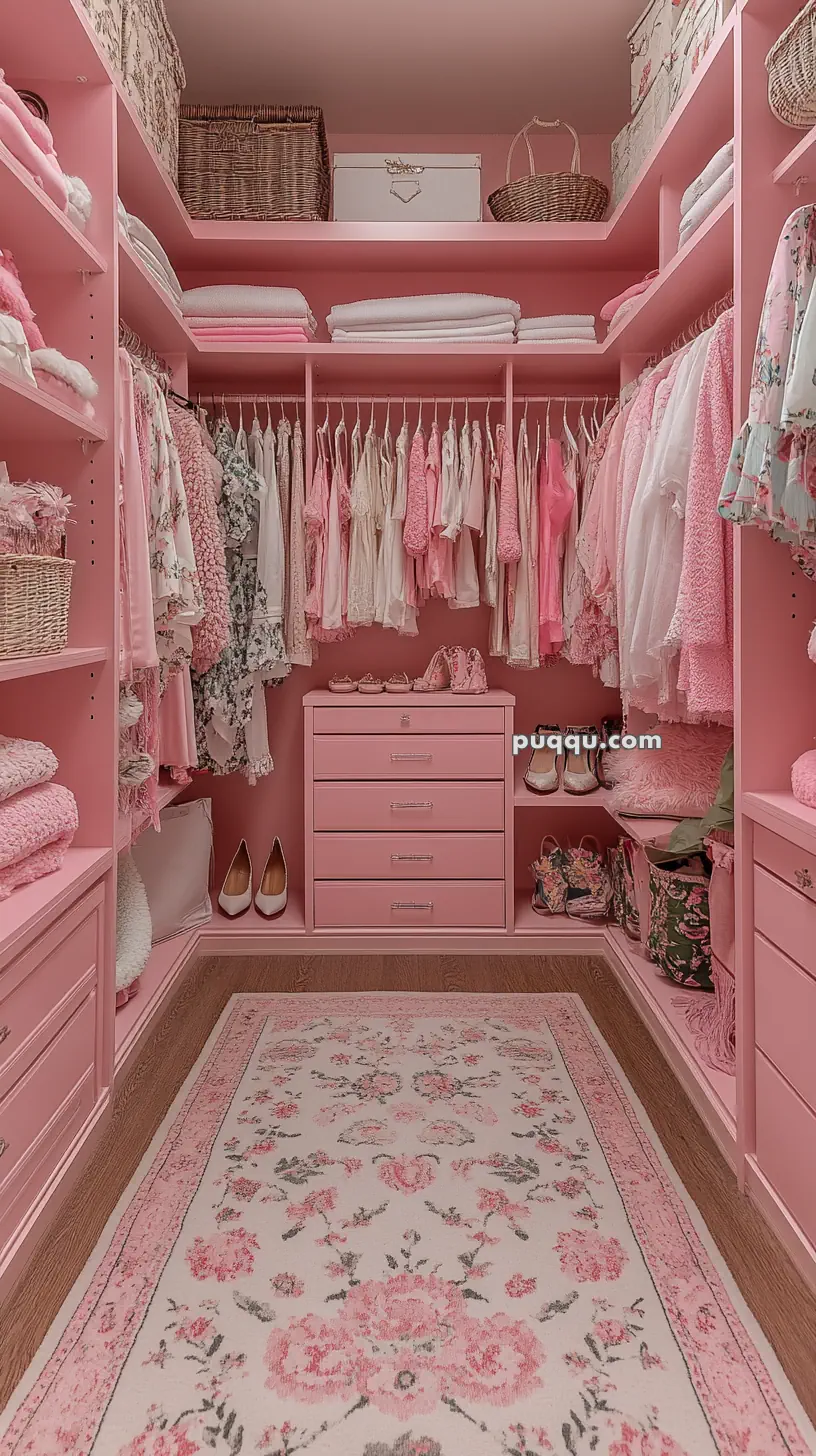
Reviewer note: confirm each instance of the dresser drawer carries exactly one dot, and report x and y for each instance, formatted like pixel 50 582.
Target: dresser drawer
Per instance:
pixel 477 808
pixel 448 716
pixel 786 1144
pixel 428 756
pixel 31 1174
pixel 28 1109
pixel 409 856
pixel 789 863
pixel 413 905
pixel 786 918
pixel 42 988
pixel 786 1017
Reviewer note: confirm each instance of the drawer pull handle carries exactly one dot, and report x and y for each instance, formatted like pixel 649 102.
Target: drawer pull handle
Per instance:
pixel 409 804
pixel 3 1146
pixel 405 720
pixel 804 879
pixel 4 1032
pixel 412 904
pixel 413 857
pixel 425 757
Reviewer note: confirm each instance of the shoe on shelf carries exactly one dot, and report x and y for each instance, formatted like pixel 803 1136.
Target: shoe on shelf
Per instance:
pixel 273 889
pixel 589 881
pixel 342 685
pixel 579 775
pixel 370 684
pixel 236 891
pixel 608 727
pixel 543 774
pixel 399 683
pixel 436 675
pixel 474 679
pixel 549 873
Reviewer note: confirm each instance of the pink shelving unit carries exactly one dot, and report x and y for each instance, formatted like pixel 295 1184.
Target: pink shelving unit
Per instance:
pixel 80 285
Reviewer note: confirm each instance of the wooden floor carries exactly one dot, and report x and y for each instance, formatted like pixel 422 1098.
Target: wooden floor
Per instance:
pixel 773 1289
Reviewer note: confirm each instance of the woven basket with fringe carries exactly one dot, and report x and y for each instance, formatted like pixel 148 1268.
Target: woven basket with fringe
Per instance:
pixel 791 67
pixel 549 196
pixel 35 594
pixel 264 163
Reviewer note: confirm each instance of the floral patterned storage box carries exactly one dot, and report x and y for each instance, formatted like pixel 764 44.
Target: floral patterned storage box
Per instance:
pixel 650 47
pixel 633 144
pixel 696 27
pixel 153 75
pixel 106 18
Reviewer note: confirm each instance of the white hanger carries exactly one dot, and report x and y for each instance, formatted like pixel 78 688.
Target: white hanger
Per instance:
pixel 568 432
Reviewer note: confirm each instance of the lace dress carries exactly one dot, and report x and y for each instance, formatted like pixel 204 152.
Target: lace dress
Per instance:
pixel 362 569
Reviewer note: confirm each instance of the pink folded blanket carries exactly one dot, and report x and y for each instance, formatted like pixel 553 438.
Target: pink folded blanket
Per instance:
pixel 610 309
pixel 36 828
pixel 252 336
pixel 24 763
pixel 44 169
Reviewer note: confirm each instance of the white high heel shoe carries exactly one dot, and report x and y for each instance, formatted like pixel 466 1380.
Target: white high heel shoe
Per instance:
pixel 273 889
pixel 236 891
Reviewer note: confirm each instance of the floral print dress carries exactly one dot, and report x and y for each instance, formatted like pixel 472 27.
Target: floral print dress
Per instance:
pixel 230 703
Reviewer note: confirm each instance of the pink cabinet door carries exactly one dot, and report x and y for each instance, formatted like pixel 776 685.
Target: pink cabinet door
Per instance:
pixel 786 1144
pixel 787 861
pixel 786 1017
pixel 412 905
pixel 426 756
pixel 407 807
pixel 445 716
pixel 409 856
pixel 785 917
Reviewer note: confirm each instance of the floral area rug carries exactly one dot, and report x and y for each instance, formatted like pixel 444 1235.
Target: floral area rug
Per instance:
pixel 391 1225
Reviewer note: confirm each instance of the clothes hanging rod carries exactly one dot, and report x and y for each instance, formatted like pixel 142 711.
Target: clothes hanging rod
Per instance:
pixel 562 398
pixel 397 398
pixel 260 397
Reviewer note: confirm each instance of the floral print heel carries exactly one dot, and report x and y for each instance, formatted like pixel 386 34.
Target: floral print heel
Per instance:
pixel 549 873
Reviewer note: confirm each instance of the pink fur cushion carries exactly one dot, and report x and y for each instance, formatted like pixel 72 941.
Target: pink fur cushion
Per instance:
pixel 678 781
pixel 23 764
pixel 803 778
pixel 36 828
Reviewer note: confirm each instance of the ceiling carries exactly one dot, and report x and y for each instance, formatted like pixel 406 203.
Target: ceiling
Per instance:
pixel 419 66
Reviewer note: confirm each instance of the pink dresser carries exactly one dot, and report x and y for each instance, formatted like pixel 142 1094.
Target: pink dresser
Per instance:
pixel 409 811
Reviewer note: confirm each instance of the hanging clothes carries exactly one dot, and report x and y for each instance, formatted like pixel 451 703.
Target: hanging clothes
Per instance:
pixel 439 571
pixel 465 574
pixel 299 649
pixel 362 568
pixel 523 628
pixel 555 501
pixel 211 634
pixel 398 606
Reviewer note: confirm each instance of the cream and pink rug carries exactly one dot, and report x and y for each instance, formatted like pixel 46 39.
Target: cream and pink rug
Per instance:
pixel 391 1225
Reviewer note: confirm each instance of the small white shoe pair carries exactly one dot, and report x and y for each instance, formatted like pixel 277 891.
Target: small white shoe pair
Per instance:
pixel 236 891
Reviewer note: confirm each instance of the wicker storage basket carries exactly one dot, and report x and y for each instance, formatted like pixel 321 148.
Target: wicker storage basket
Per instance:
pixel 549 196
pixel 266 163
pixel 791 66
pixel 35 594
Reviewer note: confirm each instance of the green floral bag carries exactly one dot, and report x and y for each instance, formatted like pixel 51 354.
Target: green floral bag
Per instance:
pixel 679 928
pixel 624 902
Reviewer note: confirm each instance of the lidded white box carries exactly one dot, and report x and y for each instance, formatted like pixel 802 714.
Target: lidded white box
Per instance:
pixel 408 187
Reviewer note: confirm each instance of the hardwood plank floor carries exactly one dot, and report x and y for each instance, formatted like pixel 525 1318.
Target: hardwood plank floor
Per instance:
pixel 778 1297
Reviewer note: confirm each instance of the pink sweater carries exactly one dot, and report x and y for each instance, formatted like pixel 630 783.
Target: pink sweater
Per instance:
pixel 509 540
pixel 211 636
pixel 416 532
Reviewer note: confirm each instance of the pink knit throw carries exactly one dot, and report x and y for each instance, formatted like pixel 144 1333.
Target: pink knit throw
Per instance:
pixel 416 532
pixel 24 763
pixel 36 828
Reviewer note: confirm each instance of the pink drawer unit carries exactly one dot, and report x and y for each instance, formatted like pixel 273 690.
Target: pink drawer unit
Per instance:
pixel 413 905
pixel 787 861
pixel 449 716
pixel 785 917
pixel 785 1000
pixel 358 807
pixel 41 990
pixel 409 856
pixel 786 1144
pixel 427 756
pixel 37 1098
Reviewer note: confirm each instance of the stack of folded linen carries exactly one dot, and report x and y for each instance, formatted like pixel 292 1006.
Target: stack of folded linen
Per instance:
pixel 80 202
pixel 149 250
pixel 38 819
pixel 558 328
pixel 29 140
pixel 433 318
pixel 706 191
pixel 242 313
pixel 618 307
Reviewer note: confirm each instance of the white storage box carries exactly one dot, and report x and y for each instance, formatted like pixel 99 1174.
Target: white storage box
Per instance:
pixel 411 187
pixel 633 144
pixel 697 24
pixel 650 46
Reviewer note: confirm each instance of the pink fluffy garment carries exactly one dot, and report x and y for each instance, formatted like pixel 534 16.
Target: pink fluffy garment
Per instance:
pixel 58 389
pixel 36 828
pixel 677 781
pixel 23 764
pixel 803 778
pixel 13 301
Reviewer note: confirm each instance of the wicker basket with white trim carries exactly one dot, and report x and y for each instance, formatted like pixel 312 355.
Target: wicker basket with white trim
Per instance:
pixel 35 594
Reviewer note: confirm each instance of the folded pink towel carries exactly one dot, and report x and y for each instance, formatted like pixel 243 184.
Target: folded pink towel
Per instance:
pixel 610 309
pixel 24 763
pixel 251 336
pixel 36 828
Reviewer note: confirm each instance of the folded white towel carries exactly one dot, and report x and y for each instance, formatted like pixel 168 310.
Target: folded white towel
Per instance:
pixel 348 337
pixel 250 321
pixel 433 331
pixel 558 321
pixel 70 371
pixel 486 321
pixel 561 339
pixel 719 163
pixel 419 309
pixel 79 196
pixel 219 300
pixel 588 335
pixel 156 271
pixel 710 199
pixel 138 232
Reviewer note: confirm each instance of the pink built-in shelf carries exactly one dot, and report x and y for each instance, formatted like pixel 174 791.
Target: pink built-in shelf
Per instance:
pixel 783 814
pixel 27 412
pixel 36 230
pixel 167 962
pixel 128 829
pixel 799 166
pixel 40 903
pixel 148 309
pixel 16 667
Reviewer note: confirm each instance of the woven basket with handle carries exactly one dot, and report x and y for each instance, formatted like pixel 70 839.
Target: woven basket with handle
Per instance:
pixel 791 67
pixel 549 196
pixel 35 594
pixel 265 163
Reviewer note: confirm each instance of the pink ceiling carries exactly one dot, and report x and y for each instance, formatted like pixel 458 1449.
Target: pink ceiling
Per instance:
pixel 444 66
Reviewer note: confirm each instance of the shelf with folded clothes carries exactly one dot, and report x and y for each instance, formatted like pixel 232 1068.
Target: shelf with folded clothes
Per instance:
pixel 34 228
pixel 148 308
pixel 17 667
pixel 27 412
